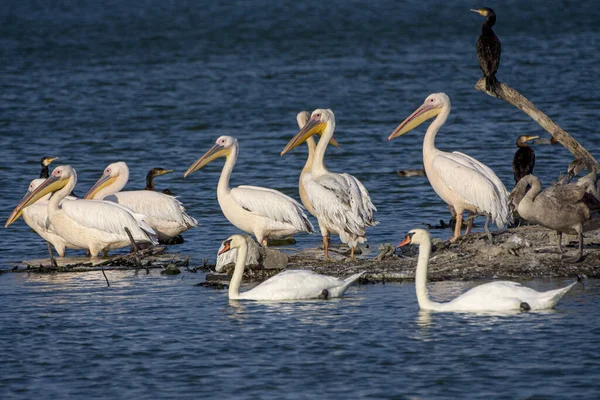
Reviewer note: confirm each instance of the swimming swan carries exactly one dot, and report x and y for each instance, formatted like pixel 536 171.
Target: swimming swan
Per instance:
pixel 493 296
pixel 288 285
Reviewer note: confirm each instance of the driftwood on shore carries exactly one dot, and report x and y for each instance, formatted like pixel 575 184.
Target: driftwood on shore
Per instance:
pixel 511 96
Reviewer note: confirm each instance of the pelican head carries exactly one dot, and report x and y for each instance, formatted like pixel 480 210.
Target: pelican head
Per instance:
pixel 111 173
pixel 485 11
pixel 523 139
pixel 47 160
pixel 223 148
pixel 315 126
pixel 431 107
pixel 233 242
pixel 60 178
pixel 416 236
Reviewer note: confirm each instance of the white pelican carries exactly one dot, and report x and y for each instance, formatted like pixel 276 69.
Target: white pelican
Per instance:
pixel 164 213
pixel 341 203
pixel 460 180
pixel 94 225
pixel 287 285
pixel 302 118
pixel 153 173
pixel 265 213
pixel 493 296
pixel 567 208
pixel 36 216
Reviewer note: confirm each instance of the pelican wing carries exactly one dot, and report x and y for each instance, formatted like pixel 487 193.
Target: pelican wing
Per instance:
pixel 331 197
pixel 157 205
pixel 475 183
pixel 272 204
pixel 364 203
pixel 107 217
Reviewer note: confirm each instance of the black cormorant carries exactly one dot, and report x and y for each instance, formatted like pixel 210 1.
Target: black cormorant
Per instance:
pixel 154 172
pixel 524 158
pixel 488 49
pixel 45 162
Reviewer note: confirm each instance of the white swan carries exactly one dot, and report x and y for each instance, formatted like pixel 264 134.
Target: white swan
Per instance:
pixel 164 213
pixel 493 296
pixel 288 285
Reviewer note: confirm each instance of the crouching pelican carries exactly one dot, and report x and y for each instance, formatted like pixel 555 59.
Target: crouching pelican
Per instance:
pixel 164 213
pixel 460 180
pixel 94 225
pixel 340 201
pixel 265 213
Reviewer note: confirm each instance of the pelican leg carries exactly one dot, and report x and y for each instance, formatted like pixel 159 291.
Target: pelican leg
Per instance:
pixel 457 227
pixel 52 259
pixel 326 246
pixel 487 229
pixel 134 247
pixel 352 254
pixel 265 242
pixel 470 219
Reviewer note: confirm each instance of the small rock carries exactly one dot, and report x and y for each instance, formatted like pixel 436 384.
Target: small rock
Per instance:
pixel 274 259
pixel 171 269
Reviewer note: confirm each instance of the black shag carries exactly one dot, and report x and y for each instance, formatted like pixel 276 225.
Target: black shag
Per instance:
pixel 488 49
pixel 154 172
pixel 524 159
pixel 45 162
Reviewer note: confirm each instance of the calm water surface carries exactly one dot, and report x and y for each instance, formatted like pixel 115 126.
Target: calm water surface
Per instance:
pixel 154 83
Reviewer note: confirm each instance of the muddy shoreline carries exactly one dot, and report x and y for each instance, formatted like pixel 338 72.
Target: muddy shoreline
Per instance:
pixel 517 254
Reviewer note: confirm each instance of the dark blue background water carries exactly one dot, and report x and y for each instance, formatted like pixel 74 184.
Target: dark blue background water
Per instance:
pixel 154 83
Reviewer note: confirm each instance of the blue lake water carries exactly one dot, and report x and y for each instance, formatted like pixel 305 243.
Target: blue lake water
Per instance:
pixel 154 83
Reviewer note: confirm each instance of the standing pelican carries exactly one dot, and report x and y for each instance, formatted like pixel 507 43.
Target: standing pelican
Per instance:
pixel 493 296
pixel 524 159
pixel 488 49
pixel 302 118
pixel 288 285
pixel 153 173
pixel 45 161
pixel 165 214
pixel 94 225
pixel 461 181
pixel 340 201
pixel 36 216
pixel 265 213
pixel 565 208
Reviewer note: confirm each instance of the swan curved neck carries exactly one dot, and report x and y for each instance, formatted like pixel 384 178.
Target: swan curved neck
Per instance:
pixel 429 141
pixel 223 186
pixel 421 278
pixel 536 188
pixel 238 272
pixel 318 165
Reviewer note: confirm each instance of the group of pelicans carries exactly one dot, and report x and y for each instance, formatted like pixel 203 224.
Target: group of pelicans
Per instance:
pixel 108 218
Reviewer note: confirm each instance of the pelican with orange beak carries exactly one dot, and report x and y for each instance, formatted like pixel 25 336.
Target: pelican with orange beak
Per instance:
pixel 340 201
pixel 464 183
pixel 93 225
pixel 265 213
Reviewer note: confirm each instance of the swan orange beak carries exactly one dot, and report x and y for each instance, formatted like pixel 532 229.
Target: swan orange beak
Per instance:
pixel 404 242
pixel 226 247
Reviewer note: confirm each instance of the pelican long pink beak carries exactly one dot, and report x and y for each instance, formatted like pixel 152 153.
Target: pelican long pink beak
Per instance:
pixel 52 184
pixel 421 114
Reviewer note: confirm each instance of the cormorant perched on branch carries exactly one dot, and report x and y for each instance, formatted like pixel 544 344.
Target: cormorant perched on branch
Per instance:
pixel 524 159
pixel 45 162
pixel 154 172
pixel 488 49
